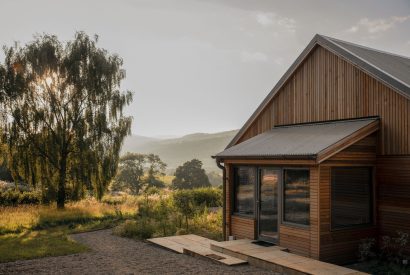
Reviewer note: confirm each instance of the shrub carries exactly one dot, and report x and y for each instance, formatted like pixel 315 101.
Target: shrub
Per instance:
pixel 366 249
pixel 201 197
pixel 140 229
pixel 209 197
pixel 392 248
pixel 15 197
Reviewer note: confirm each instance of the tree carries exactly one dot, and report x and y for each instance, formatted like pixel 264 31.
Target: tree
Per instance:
pixel 156 168
pixel 62 111
pixel 130 173
pixel 190 175
pixel 132 169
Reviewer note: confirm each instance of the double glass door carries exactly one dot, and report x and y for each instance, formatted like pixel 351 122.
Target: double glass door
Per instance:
pixel 268 196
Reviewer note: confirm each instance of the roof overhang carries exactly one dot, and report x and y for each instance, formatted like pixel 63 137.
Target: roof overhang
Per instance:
pixel 315 142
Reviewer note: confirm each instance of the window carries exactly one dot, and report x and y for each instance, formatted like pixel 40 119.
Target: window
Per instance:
pixel 351 196
pixel 296 198
pixel 244 195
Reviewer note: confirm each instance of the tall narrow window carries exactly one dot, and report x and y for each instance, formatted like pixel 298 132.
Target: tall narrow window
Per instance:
pixel 244 190
pixel 296 196
pixel 351 196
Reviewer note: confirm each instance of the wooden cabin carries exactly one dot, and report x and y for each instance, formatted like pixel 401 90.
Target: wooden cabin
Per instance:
pixel 324 161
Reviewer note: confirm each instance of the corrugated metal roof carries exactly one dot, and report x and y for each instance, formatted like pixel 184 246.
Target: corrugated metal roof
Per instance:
pixel 296 141
pixel 395 65
pixel 391 69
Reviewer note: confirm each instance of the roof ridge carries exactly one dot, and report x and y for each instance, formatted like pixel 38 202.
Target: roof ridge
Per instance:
pixel 364 47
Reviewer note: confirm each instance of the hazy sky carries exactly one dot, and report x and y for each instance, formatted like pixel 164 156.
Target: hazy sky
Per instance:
pixel 204 66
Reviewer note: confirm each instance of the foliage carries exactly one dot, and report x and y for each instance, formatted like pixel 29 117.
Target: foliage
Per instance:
pixel 366 249
pixel 181 212
pixel 392 248
pixel 130 173
pixel 135 229
pixel 390 258
pixel 184 202
pixel 130 176
pixel 15 197
pixel 201 197
pixel 62 111
pixel 156 168
pixel 190 175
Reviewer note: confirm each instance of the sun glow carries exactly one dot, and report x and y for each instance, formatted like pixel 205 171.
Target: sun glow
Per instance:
pixel 49 80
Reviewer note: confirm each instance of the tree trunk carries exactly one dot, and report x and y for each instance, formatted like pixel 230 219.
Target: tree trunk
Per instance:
pixel 61 183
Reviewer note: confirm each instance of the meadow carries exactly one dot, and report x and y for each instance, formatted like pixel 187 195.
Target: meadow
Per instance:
pixel 33 231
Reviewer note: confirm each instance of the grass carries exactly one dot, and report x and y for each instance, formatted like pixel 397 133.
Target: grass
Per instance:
pixel 28 232
pixel 36 244
pixel 18 219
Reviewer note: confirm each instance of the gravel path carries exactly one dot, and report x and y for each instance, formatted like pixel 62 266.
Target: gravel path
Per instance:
pixel 114 255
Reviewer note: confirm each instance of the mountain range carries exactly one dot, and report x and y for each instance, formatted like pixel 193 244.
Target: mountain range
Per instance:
pixel 176 151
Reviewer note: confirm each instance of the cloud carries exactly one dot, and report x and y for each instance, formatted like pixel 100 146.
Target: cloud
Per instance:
pixel 253 57
pixel 272 19
pixel 377 25
pixel 265 19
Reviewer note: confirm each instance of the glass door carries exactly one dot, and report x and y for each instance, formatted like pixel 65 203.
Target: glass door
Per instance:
pixel 269 179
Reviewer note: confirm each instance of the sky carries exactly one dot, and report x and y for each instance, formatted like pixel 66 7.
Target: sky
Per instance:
pixel 205 65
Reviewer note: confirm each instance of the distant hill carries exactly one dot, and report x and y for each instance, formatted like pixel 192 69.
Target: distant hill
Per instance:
pixel 176 151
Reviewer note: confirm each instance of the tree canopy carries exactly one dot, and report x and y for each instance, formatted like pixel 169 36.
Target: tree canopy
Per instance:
pixel 138 172
pixel 190 175
pixel 62 114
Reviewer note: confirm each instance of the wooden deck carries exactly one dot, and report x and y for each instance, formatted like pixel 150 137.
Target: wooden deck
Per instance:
pixel 196 246
pixel 276 258
pixel 244 251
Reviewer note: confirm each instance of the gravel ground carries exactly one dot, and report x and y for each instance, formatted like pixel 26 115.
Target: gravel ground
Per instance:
pixel 115 255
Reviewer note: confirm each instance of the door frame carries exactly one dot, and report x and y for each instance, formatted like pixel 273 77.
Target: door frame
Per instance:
pixel 279 203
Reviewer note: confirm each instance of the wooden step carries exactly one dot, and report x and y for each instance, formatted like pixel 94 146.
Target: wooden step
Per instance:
pixel 196 246
pixel 213 256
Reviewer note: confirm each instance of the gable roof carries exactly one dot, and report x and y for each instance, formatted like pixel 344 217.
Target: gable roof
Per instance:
pixel 391 69
pixel 318 141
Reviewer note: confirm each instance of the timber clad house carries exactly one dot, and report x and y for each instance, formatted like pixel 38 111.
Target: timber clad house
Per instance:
pixel 325 159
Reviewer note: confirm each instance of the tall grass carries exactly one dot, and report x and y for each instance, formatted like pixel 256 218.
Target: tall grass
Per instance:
pixel 28 217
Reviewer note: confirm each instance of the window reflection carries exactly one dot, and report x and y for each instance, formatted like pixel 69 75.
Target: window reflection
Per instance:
pixel 296 196
pixel 244 197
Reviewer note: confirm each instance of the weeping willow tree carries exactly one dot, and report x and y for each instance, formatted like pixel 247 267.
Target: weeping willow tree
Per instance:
pixel 62 113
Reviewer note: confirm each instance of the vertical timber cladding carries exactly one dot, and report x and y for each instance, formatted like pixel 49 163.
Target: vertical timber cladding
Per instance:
pixel 393 176
pixel 326 87
pixel 304 240
pixel 341 246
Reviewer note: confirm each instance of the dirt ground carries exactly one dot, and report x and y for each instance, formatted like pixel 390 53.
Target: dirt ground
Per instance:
pixel 115 255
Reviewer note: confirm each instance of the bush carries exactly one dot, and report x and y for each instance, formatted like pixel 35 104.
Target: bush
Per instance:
pixel 140 229
pixel 200 197
pixel 366 249
pixel 14 197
